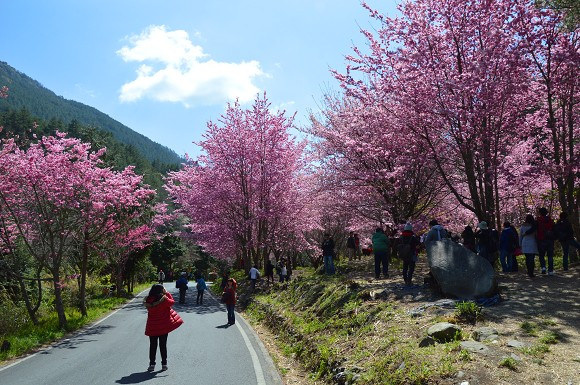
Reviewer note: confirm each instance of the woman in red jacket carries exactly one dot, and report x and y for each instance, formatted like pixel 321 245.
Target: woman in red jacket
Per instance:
pixel 161 319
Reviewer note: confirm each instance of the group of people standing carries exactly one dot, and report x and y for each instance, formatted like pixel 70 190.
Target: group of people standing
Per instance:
pixel 536 236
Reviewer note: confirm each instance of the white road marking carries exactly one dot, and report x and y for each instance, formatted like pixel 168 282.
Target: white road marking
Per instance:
pixel 78 332
pixel 255 360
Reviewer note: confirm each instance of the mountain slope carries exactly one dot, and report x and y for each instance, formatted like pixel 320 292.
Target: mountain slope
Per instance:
pixel 28 93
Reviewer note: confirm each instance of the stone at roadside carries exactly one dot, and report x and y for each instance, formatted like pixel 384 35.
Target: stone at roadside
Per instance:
pixel 444 331
pixel 515 357
pixel 460 374
pixel 516 344
pixel 340 378
pixel 444 303
pixel 379 294
pixel 474 347
pixel 427 341
pixel 459 272
pixel 485 333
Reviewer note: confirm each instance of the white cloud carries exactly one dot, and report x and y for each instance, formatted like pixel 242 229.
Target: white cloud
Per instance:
pixel 176 70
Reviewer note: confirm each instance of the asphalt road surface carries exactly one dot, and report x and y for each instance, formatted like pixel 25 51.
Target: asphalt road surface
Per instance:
pixel 204 350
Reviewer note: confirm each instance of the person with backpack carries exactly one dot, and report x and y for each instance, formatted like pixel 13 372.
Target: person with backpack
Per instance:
pixel 201 288
pixel 436 233
pixel 508 242
pixel 161 320
pixel 407 252
pixel 381 250
pixel 181 284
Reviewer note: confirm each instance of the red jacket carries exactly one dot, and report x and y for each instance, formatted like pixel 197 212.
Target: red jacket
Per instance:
pixel 161 318
pixel 545 224
pixel 229 296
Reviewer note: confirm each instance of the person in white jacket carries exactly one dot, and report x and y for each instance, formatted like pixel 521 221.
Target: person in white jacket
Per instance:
pixel 529 244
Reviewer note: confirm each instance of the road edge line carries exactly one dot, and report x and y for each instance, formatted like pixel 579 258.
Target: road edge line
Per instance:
pixel 75 333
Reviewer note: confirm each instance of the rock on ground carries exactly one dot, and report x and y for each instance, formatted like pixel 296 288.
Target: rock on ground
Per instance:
pixel 459 272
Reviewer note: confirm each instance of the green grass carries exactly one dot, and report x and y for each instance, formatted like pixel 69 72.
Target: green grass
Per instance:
pixel 468 311
pixel 325 322
pixel 537 350
pixel 510 363
pixel 530 328
pixel 550 337
pixel 30 337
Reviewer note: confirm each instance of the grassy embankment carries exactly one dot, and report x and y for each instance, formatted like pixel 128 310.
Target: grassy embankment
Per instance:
pixel 332 322
pixel 25 337
pixel 327 323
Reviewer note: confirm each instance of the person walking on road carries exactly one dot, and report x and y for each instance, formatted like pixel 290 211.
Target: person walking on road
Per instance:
pixel 229 298
pixel 381 249
pixel 201 287
pixel 160 276
pixel 181 284
pixel 161 320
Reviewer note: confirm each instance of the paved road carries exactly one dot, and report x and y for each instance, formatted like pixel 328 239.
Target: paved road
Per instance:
pixel 115 351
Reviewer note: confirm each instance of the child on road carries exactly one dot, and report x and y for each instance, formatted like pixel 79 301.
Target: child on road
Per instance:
pixel 161 320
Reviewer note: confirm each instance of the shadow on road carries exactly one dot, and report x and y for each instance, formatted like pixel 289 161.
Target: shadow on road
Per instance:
pixel 136 378
pixel 80 338
pixel 223 326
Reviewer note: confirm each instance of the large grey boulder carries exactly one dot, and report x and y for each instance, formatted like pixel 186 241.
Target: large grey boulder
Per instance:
pixel 459 272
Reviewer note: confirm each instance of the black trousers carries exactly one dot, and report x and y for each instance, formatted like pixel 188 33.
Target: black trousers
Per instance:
pixel 162 348
pixel 182 295
pixel 199 299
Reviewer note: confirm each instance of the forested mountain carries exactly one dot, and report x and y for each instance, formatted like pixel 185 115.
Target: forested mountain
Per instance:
pixel 42 103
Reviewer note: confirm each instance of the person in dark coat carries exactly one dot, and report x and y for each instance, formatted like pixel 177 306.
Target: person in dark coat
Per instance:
pixel 565 234
pixel 508 241
pixel 181 284
pixel 328 254
pixel 269 270
pixel 161 320
pixel 229 298
pixel 468 238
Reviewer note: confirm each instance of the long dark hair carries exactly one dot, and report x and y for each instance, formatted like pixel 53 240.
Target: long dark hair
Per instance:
pixel 156 292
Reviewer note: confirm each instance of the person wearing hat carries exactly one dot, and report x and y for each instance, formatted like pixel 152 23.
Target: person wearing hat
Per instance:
pixel 484 239
pixel 181 284
pixel 407 252
pixel 436 233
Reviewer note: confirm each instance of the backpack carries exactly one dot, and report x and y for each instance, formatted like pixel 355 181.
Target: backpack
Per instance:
pixel 404 250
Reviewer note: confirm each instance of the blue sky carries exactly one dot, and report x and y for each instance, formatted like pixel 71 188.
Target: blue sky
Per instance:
pixel 166 67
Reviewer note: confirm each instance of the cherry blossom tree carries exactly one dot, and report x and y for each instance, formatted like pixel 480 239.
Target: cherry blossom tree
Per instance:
pixel 453 73
pixel 244 195
pixel 54 196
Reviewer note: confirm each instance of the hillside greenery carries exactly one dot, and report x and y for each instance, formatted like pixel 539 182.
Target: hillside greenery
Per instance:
pixel 42 103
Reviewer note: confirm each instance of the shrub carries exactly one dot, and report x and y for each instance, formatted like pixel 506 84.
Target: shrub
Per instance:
pixel 510 363
pixel 468 311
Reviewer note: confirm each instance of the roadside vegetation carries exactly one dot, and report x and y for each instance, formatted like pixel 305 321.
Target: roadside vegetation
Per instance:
pixel 18 335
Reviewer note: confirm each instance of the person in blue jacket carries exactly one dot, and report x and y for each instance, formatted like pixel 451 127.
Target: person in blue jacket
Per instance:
pixel 201 287
pixel 181 284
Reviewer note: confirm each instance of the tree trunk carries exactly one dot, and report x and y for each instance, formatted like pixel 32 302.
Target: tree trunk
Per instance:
pixel 83 285
pixel 58 304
